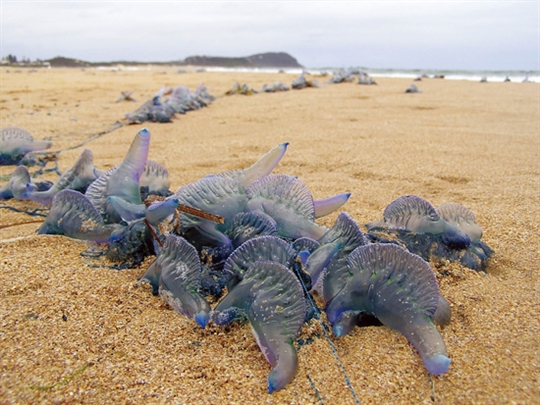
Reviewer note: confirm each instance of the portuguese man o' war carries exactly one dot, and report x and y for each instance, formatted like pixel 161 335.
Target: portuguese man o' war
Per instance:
pixel 448 232
pixel 462 218
pixel 288 201
pixel 264 248
pixel 73 215
pixel 272 299
pixel 123 180
pixel 176 274
pixel 255 236
pixel 400 290
pixel 417 215
pixel 16 142
pixel 77 178
pixel 17 185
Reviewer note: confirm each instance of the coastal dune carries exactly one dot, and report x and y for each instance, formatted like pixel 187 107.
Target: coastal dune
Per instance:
pixel 74 330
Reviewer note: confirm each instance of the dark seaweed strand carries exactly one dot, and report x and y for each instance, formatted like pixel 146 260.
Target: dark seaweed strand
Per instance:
pixel 113 127
pixel 315 389
pixel 332 347
pixel 35 213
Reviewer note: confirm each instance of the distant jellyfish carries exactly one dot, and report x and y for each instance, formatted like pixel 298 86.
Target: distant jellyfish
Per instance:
pixel 77 178
pixel 400 290
pixel 16 142
pixel 17 185
pixel 413 89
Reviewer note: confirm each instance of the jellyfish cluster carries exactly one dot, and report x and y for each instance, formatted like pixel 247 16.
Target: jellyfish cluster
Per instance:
pixel 180 101
pixel 245 244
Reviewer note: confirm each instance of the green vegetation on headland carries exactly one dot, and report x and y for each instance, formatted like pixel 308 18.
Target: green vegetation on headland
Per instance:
pixel 262 60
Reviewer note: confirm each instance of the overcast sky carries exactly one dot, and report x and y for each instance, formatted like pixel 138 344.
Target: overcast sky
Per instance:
pixel 490 35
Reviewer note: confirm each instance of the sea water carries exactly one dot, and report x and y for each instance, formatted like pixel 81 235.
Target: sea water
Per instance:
pixel 472 75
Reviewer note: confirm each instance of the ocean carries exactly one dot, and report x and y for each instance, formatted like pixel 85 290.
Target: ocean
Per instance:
pixel 472 75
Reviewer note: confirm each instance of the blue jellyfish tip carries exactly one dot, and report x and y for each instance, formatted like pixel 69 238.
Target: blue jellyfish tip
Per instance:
pixel 437 364
pixel 285 144
pixel 144 132
pixel 338 330
pixel 271 387
pixel 202 319
pixel 303 255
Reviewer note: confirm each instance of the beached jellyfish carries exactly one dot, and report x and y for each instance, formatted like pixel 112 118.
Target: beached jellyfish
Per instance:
pixel 272 299
pixel 154 180
pixel 73 215
pixel 269 248
pixel 462 218
pixel 289 202
pixel 400 290
pixel 17 185
pixel 301 82
pixel 215 195
pixel 154 213
pixel 16 142
pixel 123 180
pixel 176 274
pixel 417 215
pixel 248 225
pixel 77 178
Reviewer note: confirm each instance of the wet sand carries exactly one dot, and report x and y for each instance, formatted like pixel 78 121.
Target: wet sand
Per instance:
pixel 75 331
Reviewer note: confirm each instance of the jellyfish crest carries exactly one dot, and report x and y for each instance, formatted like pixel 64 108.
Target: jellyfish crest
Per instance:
pixel 305 244
pixel 329 205
pixel 273 300
pixel 124 182
pixel 319 260
pixel 249 225
pixel 175 248
pixel 84 171
pixel 155 176
pixel 262 167
pixel 286 189
pixel 346 232
pixel 269 248
pixel 215 195
pixel 289 202
pixel 97 191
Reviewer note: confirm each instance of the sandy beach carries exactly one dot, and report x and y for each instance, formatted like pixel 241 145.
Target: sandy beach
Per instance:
pixel 72 330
